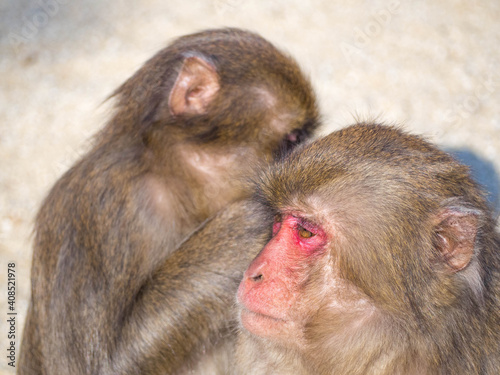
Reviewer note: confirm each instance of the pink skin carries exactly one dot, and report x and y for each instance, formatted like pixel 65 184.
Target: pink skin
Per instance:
pixel 292 137
pixel 272 283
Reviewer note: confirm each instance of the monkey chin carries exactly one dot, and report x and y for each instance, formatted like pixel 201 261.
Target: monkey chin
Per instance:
pixel 264 326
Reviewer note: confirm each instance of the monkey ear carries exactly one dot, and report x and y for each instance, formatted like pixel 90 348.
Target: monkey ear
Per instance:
pixel 456 233
pixel 195 87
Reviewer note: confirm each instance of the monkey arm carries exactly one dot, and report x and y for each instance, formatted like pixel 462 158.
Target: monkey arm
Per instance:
pixel 187 303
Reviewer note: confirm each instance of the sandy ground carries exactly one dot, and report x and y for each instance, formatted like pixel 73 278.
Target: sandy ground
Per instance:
pixel 431 66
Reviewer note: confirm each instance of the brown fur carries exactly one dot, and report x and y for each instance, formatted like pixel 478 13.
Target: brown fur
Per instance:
pixel 190 126
pixel 410 283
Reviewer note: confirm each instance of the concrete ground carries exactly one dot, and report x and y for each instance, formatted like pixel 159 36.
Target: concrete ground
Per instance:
pixel 431 66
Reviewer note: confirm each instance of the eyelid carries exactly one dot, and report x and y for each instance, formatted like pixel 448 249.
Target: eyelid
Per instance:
pixel 307 225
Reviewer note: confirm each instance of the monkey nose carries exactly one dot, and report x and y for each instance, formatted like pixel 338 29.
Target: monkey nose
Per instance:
pixel 255 273
pixel 257 278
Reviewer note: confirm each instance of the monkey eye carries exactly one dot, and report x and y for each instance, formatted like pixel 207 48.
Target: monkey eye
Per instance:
pixel 304 233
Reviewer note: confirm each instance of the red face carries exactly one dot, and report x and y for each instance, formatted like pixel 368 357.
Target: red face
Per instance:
pixel 270 289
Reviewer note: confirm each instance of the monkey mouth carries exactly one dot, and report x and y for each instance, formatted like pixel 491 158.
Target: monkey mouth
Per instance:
pixel 258 315
pixel 261 325
pixel 262 315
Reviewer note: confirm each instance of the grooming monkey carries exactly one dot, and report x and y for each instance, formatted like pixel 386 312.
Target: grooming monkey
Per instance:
pixel 190 127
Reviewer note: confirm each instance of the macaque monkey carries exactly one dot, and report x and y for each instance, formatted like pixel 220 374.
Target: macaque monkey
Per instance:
pixel 190 128
pixel 384 259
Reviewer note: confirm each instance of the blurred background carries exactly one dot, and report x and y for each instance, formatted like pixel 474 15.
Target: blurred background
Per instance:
pixel 430 66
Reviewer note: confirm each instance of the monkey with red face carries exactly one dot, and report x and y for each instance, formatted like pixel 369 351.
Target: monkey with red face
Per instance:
pixel 383 259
